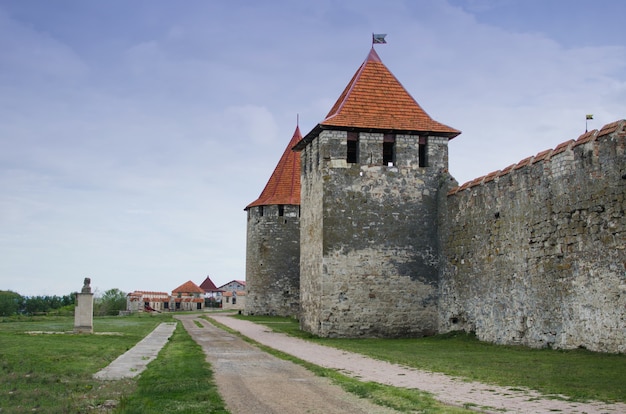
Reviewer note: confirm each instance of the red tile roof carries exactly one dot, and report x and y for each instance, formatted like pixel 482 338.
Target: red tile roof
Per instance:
pixel 283 186
pixel 209 286
pixel 188 287
pixel 375 100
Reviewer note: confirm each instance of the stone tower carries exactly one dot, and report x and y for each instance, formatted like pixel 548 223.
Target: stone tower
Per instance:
pixel 273 241
pixel 371 174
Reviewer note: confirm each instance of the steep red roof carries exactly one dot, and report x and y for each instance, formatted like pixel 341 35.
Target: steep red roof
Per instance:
pixel 375 100
pixel 188 287
pixel 283 186
pixel 208 285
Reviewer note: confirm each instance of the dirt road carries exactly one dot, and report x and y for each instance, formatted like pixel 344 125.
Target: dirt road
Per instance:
pixel 487 398
pixel 252 381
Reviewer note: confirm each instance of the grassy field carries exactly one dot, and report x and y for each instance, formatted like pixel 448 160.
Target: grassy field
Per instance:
pixel 178 381
pixel 577 374
pixel 43 369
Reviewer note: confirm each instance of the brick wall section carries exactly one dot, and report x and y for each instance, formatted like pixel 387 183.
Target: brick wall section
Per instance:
pixel 272 261
pixel 536 254
pixel 369 244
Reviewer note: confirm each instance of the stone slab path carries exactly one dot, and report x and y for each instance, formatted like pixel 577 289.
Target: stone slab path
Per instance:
pixel 486 398
pixel 135 360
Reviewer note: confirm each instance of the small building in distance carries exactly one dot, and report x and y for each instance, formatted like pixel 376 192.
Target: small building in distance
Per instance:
pixel 234 300
pixel 140 300
pixel 210 290
pixel 188 297
pixel 233 286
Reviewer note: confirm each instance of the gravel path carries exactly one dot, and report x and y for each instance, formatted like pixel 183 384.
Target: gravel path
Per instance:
pixel 252 381
pixel 487 398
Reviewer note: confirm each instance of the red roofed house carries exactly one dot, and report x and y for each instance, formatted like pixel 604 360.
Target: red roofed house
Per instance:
pixel 139 301
pixel 187 297
pixel 209 288
pixel 212 294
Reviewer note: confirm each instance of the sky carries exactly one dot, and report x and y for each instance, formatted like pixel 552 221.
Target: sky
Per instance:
pixel 134 133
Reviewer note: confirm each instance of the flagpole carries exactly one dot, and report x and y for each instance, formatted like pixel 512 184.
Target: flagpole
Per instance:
pixel 587 118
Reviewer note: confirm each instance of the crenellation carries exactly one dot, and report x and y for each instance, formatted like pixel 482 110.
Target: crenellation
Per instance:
pixel 564 217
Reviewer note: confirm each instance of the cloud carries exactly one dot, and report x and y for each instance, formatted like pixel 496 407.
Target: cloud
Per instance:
pixel 35 56
pixel 131 142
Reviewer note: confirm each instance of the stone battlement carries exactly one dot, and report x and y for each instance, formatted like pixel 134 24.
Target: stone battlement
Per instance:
pixel 617 127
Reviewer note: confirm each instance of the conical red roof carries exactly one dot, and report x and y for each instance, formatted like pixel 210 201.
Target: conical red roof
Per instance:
pixel 188 287
pixel 283 186
pixel 208 285
pixel 375 100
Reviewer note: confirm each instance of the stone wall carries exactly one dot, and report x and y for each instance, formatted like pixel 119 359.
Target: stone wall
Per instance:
pixel 369 244
pixel 535 254
pixel 272 260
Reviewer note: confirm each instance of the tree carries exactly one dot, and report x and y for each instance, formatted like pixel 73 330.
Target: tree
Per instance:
pixel 111 303
pixel 9 302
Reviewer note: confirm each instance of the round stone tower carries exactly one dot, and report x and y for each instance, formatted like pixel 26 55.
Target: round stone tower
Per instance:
pixel 273 241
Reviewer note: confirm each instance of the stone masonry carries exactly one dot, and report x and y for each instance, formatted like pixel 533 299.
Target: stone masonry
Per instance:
pixel 536 254
pixel 386 244
pixel 369 251
pixel 272 261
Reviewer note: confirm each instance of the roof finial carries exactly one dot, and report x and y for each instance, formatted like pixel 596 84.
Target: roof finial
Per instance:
pixel 297 120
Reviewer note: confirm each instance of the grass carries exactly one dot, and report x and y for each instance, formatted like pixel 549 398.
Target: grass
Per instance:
pixel 399 399
pixel 178 381
pixel 578 375
pixel 52 373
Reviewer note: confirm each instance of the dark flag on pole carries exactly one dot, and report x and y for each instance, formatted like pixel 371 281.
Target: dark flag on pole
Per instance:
pixel 378 39
pixel 587 118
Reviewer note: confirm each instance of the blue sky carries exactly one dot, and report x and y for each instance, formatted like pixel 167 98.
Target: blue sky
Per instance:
pixel 133 133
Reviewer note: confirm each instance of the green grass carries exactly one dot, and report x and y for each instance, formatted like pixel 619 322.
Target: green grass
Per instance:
pixel 52 373
pixel 577 374
pixel 399 399
pixel 178 381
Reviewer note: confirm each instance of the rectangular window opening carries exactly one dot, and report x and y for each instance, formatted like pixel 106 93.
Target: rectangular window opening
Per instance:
pixel 352 156
pixel 281 210
pixel 260 211
pixel 423 152
pixel 389 149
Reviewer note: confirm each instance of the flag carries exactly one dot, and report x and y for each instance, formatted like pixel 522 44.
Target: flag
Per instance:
pixel 378 38
pixel 589 116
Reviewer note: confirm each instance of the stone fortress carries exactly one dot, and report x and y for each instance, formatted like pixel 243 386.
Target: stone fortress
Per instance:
pixel 362 232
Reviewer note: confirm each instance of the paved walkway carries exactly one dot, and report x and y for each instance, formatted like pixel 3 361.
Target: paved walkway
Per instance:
pixel 487 398
pixel 135 360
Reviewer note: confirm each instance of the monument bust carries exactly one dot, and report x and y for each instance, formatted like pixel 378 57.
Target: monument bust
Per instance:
pixel 86 287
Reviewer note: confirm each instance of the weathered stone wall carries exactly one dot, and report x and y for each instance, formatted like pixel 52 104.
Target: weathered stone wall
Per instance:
pixel 536 254
pixel 272 261
pixel 369 240
pixel 311 239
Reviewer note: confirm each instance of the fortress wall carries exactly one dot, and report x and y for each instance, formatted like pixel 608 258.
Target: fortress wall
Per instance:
pixel 272 261
pixel 536 254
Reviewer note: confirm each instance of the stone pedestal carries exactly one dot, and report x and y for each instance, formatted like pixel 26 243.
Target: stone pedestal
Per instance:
pixel 83 313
